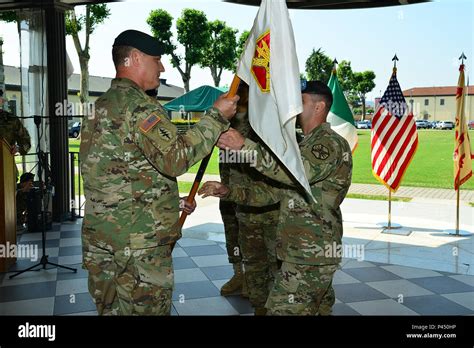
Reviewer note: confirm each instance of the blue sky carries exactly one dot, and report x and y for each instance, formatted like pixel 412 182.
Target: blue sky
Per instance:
pixel 428 38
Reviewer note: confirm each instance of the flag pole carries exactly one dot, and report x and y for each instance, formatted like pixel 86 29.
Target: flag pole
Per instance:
pixel 390 226
pixel 205 161
pixel 457 232
pixel 389 209
pixel 457 209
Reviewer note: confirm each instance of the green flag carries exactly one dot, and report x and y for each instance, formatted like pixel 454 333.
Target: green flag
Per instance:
pixel 340 116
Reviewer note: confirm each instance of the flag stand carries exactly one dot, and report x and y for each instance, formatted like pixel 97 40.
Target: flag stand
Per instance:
pixel 457 232
pixel 459 123
pixel 390 225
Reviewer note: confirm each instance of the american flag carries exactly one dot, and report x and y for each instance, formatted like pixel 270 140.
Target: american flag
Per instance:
pixel 394 137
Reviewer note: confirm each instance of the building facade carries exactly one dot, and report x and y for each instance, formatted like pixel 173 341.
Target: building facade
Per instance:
pixel 438 103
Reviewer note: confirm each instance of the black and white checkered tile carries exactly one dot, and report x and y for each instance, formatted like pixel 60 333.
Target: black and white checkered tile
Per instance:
pixel 201 267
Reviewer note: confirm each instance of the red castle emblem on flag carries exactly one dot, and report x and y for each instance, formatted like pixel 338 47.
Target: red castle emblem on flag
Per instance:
pixel 261 62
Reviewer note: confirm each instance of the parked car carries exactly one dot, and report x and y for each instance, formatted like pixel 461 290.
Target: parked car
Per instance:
pixel 422 124
pixel 365 124
pixel 75 130
pixel 445 125
pixel 470 125
pixel 433 124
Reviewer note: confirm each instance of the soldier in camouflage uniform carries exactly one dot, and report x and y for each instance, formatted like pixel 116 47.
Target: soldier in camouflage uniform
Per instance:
pixel 130 157
pixel 235 284
pixel 256 225
pixel 309 235
pixel 15 134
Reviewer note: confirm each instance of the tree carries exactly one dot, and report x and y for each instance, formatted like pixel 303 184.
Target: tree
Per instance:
pixel 240 48
pixel 241 43
pixel 319 66
pixel 221 54
pixel 9 16
pixel 193 34
pixel 95 15
pixel 345 76
pixel 363 84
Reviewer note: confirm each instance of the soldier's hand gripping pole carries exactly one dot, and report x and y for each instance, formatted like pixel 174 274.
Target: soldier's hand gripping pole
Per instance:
pixel 202 168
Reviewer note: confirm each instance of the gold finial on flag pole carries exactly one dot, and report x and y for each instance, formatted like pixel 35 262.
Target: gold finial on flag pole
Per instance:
pixel 462 58
pixel 334 64
pixel 394 60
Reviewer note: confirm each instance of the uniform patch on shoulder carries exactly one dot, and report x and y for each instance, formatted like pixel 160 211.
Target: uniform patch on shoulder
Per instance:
pixel 149 122
pixel 164 133
pixel 320 151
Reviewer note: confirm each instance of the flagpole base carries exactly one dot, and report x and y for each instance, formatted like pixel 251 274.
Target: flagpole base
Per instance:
pixel 395 229
pixel 393 226
pixel 457 233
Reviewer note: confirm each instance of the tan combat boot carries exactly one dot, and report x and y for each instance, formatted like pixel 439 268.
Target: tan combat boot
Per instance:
pixel 235 284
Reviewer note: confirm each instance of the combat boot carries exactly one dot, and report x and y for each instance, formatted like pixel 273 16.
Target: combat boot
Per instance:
pixel 235 284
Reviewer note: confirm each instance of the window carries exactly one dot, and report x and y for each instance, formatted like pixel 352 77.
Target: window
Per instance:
pixel 427 102
pixel 441 102
pixel 12 106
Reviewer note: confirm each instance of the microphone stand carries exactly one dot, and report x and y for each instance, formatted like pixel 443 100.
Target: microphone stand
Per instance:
pixel 44 258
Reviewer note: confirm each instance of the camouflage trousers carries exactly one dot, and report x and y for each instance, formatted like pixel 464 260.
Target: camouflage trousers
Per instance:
pixel 257 240
pixel 130 282
pixel 231 230
pixel 302 290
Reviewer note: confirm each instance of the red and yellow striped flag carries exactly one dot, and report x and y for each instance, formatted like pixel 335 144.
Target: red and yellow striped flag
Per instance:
pixel 462 147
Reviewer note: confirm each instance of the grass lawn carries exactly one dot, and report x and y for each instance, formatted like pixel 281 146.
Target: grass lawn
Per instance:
pixel 378 197
pixel 74 145
pixel 212 167
pixel 432 165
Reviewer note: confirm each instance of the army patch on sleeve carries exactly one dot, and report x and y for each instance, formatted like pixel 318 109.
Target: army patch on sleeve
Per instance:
pixel 164 133
pixel 149 122
pixel 320 151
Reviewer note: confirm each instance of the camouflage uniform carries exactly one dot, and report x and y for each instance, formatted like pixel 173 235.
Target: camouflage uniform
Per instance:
pixel 256 226
pixel 231 224
pixel 309 235
pixel 130 157
pixel 13 131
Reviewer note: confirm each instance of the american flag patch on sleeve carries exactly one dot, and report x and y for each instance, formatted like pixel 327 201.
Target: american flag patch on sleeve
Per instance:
pixel 149 122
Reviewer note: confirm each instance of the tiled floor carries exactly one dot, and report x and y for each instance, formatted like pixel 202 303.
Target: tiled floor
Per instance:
pixel 201 267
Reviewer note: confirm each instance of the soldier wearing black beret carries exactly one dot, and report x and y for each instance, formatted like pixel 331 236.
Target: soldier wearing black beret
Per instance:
pixel 130 156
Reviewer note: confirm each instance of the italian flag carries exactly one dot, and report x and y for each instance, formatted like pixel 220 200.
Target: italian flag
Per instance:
pixel 340 116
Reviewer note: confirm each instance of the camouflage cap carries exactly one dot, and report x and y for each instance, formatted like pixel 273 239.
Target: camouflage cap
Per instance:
pixel 141 41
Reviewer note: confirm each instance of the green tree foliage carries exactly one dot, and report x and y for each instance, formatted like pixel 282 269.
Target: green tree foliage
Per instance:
pixel 355 85
pixel 363 84
pixel 319 66
pixel 241 43
pixel 345 76
pixel 221 54
pixel 240 48
pixel 8 16
pixel 193 34
pixel 76 23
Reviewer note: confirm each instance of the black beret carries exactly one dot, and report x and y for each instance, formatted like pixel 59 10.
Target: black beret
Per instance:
pixel 317 87
pixel 141 41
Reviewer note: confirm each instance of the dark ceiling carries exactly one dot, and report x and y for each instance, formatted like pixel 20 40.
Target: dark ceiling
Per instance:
pixel 334 4
pixel 17 4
